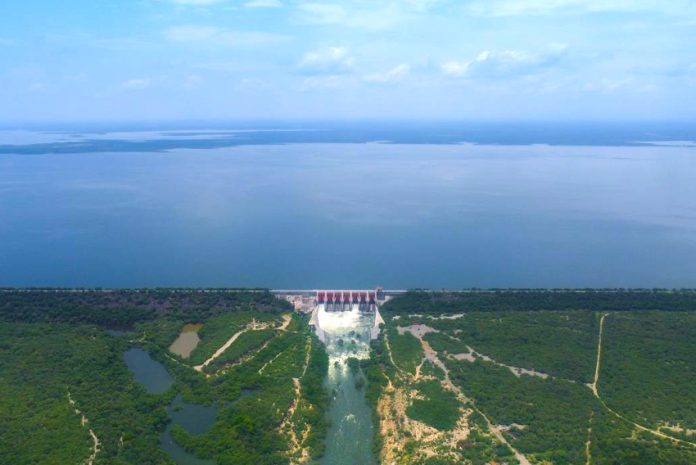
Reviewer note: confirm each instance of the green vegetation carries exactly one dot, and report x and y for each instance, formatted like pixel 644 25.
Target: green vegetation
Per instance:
pixel 268 385
pixel 406 350
pixel 506 300
pixel 43 358
pixel 123 308
pixel 554 414
pixel 479 448
pixel 39 365
pixel 561 344
pixel 217 330
pixel 376 371
pixel 648 370
pixel 439 408
pixel 245 344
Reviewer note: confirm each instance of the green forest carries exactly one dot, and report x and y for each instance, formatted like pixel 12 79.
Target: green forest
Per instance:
pixel 557 377
pixel 525 360
pixel 61 346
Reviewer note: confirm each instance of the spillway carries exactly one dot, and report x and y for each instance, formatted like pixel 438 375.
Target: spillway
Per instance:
pixel 346 334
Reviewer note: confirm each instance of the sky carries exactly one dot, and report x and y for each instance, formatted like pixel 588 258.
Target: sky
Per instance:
pixel 156 60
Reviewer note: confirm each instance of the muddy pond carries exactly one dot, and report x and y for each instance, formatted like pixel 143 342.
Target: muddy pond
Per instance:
pixel 187 341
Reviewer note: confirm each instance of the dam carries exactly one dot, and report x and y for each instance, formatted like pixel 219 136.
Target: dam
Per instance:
pixel 345 321
pixel 320 302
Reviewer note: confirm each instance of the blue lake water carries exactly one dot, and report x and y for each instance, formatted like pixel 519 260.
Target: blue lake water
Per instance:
pixel 148 371
pixel 325 208
pixel 195 419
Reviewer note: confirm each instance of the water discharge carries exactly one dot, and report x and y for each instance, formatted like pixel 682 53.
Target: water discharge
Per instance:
pixel 347 336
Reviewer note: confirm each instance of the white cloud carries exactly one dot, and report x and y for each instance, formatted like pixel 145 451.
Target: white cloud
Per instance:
pixel 197 2
pixel 323 82
pixel 190 33
pixel 263 4
pixel 331 60
pixel 507 63
pixel 119 43
pixel 191 81
pixel 361 14
pixel 395 74
pixel 455 68
pixel 136 84
pixel 220 37
pixel 607 85
pixel 545 7
pixel 324 13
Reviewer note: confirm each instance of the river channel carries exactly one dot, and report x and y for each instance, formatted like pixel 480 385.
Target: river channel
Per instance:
pixel 349 439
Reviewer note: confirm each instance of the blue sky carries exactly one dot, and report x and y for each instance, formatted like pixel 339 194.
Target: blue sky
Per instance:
pixel 78 60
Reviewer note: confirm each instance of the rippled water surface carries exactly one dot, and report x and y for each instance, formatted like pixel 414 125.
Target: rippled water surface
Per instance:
pixel 137 209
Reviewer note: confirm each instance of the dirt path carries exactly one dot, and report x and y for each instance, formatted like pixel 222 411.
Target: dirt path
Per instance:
pixel 472 355
pixel 646 429
pixel 308 353
pixel 222 349
pixel 298 451
pixel 253 326
pixel 287 318
pixel 96 444
pixel 389 352
pixel 431 354
pixel 269 362
pixel 593 386
pixel 595 391
pixel 588 443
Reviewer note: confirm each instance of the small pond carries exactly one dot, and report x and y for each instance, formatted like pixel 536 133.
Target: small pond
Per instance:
pixel 147 371
pixel 178 453
pixel 187 340
pixel 195 419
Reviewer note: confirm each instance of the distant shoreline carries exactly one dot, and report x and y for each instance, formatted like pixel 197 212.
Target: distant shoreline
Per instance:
pixel 491 290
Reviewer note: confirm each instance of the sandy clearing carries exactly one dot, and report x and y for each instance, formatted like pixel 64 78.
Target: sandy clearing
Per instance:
pixel 678 428
pixel 417 330
pixel 495 429
pixel 287 318
pixel 472 355
pixel 388 427
pixel 456 316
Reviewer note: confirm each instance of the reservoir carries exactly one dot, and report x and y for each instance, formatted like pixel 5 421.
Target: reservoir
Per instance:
pixel 174 209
